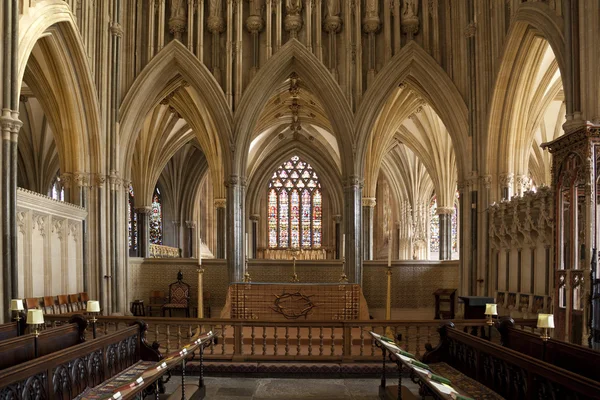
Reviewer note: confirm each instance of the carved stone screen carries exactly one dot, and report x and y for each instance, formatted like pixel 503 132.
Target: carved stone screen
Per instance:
pixel 320 302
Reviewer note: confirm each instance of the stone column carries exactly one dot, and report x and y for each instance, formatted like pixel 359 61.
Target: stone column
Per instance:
pixel 352 218
pixel 506 185
pixel 221 227
pixel 190 225
pixel 445 221
pixel 368 206
pixel 235 228
pixel 143 225
pixel 254 218
pixel 176 231
pixel 337 219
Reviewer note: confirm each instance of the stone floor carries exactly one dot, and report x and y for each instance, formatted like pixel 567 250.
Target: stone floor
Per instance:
pixel 286 388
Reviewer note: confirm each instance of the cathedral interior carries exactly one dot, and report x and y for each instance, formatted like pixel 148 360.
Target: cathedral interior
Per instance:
pixel 401 146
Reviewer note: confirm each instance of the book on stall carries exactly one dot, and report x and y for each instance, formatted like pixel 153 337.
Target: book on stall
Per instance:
pixel 442 388
pixel 419 364
pixel 438 378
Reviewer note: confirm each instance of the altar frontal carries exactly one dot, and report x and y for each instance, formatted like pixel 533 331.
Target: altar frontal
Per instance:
pixel 295 301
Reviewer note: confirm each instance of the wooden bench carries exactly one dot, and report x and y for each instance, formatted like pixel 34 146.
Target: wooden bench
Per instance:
pixel 12 329
pixel 30 346
pixel 507 372
pixel 578 359
pixel 67 373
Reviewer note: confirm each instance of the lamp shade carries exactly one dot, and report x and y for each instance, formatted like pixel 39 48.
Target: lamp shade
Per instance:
pixel 545 321
pixel 93 306
pixel 35 317
pixel 491 309
pixel 16 305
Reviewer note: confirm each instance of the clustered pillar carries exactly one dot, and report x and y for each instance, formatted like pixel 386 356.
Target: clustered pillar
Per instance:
pixel 368 206
pixel 445 221
pixel 221 224
pixel 353 229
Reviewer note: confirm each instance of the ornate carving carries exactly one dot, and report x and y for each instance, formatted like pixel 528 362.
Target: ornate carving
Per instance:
pixel 369 201
pixel 293 305
pixel 471 30
pixel 410 19
pixel 57 227
pixel 293 18
pixel 220 203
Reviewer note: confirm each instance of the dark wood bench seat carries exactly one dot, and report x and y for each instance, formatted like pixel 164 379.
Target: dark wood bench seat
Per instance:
pixel 510 374
pixel 572 357
pixel 67 373
pixel 469 386
pixel 28 347
pixel 11 330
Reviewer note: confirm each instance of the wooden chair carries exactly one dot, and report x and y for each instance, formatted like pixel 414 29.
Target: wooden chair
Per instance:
pixel 31 303
pixel 74 303
pixel 179 297
pixel 83 299
pixel 63 304
pixel 157 300
pixel 49 305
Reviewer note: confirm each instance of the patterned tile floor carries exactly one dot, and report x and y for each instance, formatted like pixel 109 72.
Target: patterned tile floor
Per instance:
pixel 286 388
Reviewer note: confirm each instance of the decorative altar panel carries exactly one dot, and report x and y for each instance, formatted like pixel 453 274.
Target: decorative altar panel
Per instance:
pixel 295 301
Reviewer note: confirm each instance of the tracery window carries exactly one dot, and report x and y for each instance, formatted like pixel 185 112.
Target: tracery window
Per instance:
pixel 434 228
pixel 156 233
pixel 132 221
pixel 295 204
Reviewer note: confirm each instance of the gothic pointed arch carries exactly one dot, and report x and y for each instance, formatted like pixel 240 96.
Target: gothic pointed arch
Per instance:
pixel 176 74
pixel 524 88
pixel 73 100
pixel 417 69
pixel 292 57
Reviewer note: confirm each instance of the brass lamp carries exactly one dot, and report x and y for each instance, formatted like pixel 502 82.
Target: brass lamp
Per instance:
pixel 93 308
pixel 490 310
pixel 17 306
pixel 545 322
pixel 35 317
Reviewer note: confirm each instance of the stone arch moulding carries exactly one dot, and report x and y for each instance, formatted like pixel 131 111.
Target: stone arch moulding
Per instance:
pixel 293 57
pixel 547 25
pixel 165 73
pixel 328 174
pixel 54 17
pixel 424 75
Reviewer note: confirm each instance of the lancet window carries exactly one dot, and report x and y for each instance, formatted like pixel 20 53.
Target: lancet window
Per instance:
pixel 156 223
pixel 132 221
pixel 295 203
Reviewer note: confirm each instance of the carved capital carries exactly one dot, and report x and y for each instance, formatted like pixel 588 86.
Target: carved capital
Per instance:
pixel 220 203
pixel 369 202
pixel 471 30
pixel 143 210
pixel 116 29
pixel 254 217
pixel 190 224
pixel 507 179
pixel 337 219
pixel 486 181
pixel 353 181
pixel 445 210
pixel 66 179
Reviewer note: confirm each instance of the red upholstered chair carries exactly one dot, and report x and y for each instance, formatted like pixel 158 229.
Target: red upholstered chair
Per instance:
pixel 179 296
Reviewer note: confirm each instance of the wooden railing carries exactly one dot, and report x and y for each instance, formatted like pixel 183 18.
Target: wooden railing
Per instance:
pixel 284 340
pixel 159 251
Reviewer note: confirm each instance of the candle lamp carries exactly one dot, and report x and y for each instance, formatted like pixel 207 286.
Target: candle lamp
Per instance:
pixel 35 318
pixel 545 322
pixel 491 309
pixel 93 308
pixel 17 306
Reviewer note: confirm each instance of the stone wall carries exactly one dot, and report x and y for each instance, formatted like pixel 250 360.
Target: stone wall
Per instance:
pixel 50 249
pixel 413 282
pixel 521 253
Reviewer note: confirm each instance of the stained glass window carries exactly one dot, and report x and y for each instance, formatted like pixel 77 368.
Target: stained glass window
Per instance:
pixel 132 221
pixel 156 219
pixel 295 206
pixel 454 227
pixel 434 228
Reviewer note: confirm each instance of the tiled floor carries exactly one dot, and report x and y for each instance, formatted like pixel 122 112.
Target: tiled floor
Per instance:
pixel 286 388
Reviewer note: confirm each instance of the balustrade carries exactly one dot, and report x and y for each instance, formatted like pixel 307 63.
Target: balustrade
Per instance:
pixel 281 340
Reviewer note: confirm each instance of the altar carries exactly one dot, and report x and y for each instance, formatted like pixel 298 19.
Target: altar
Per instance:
pixel 295 301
